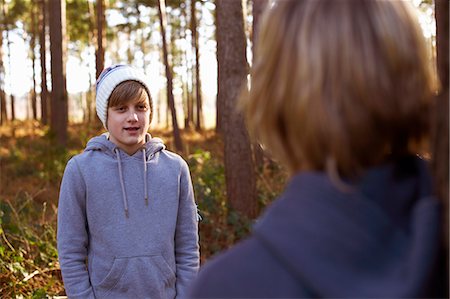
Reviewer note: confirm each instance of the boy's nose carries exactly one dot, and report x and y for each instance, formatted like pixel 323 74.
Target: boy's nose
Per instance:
pixel 132 116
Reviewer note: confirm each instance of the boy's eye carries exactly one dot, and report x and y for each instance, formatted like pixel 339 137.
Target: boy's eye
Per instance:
pixel 120 108
pixel 142 107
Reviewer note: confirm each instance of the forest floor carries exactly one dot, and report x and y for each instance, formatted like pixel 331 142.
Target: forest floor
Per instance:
pixel 31 167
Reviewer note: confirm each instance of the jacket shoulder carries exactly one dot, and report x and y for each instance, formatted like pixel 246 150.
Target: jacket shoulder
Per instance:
pixel 246 270
pixel 173 159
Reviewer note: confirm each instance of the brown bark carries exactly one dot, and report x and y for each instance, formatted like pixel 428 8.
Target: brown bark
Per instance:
pixel 13 109
pixel 232 63
pixel 33 59
pixel 198 89
pixel 101 38
pixel 219 109
pixel 258 8
pixel 171 101
pixel 8 46
pixel 89 113
pixel 43 54
pixel 3 115
pixel 187 94
pixel 59 115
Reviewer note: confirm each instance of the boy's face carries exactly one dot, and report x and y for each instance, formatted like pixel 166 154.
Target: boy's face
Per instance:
pixel 128 124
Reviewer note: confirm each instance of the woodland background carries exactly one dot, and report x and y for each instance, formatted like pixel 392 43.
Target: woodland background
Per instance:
pixel 198 53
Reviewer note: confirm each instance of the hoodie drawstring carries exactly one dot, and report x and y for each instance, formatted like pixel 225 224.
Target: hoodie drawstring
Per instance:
pixel 145 177
pixel 124 194
pixel 122 184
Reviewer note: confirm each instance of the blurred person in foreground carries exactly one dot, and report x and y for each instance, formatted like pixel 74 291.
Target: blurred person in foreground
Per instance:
pixel 341 93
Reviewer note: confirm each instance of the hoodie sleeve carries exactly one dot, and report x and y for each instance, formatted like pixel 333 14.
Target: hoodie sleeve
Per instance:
pixel 187 254
pixel 72 236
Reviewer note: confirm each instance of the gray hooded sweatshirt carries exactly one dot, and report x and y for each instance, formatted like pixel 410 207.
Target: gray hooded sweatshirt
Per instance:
pixel 127 225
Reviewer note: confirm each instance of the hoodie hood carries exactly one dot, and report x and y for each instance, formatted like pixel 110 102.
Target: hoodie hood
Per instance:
pixel 378 240
pixel 148 151
pixel 102 143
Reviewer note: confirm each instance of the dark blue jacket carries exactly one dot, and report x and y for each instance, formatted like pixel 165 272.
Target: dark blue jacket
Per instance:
pixel 380 239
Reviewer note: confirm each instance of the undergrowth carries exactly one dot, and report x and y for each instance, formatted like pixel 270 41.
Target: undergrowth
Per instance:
pixel 29 265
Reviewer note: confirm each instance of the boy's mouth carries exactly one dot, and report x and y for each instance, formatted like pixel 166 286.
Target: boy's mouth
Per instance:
pixel 131 128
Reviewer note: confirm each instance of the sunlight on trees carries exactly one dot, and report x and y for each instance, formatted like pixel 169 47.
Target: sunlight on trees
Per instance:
pixel 183 73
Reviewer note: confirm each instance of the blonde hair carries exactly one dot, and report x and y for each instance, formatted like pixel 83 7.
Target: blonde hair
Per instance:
pixel 130 90
pixel 339 85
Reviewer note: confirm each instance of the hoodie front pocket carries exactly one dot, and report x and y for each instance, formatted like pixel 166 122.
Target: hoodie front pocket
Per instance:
pixel 115 273
pixel 140 276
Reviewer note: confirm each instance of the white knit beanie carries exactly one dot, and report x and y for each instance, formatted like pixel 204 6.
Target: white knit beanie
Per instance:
pixel 108 80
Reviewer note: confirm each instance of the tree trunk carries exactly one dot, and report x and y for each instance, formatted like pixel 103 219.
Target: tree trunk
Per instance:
pixel 219 103
pixel 3 116
pixel 59 115
pixel 173 55
pixel 258 8
pixel 101 38
pixel 43 52
pixel 168 118
pixel 440 146
pixel 188 119
pixel 13 108
pixel 33 59
pixel 232 61
pixel 130 50
pixel 198 86
pixel 90 92
pixel 8 47
pixel 171 101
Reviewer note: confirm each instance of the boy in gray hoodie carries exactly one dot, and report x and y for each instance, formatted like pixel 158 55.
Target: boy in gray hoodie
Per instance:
pixel 127 221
